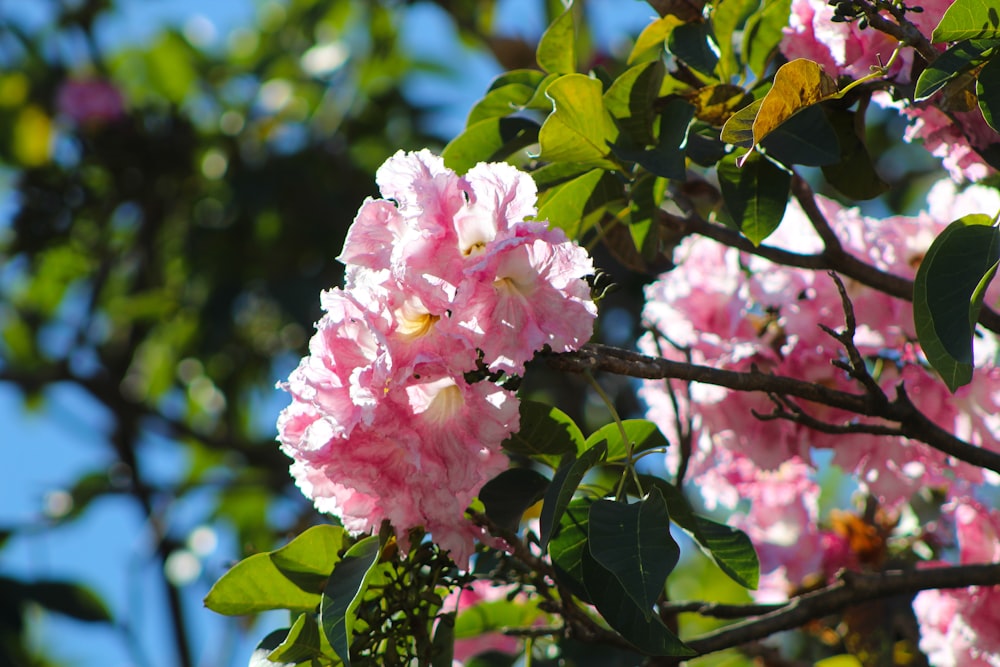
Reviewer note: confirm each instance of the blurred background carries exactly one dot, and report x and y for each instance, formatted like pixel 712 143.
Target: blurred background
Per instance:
pixel 176 178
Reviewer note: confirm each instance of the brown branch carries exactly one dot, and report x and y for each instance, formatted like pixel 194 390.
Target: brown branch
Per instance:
pixel 852 588
pixel 720 610
pixel 913 423
pixel 902 29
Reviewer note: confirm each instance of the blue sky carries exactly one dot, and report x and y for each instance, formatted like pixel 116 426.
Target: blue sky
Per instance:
pixel 51 445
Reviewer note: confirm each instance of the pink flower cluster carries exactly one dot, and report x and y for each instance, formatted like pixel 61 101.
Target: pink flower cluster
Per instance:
pixel 383 424
pixel 961 627
pixel 726 309
pixel 844 49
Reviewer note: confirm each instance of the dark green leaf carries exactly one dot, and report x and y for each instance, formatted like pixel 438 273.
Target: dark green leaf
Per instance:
pixel 263 650
pixel 531 78
pixel 763 33
pixel 633 542
pixel 579 128
pixel 575 205
pixel 807 138
pixel 564 484
pixel 854 175
pixel 692 44
pixel 569 544
pixel 630 100
pixel 556 53
pixel 989 95
pixel 947 294
pixel 958 59
pixel 65 598
pixel 494 616
pixel 640 434
pixel 343 594
pixel 508 495
pixel 968 19
pixel 666 159
pixel 546 433
pixel 730 548
pixel 489 140
pixel 755 194
pixel 643 630
pixel 557 173
pixel 443 643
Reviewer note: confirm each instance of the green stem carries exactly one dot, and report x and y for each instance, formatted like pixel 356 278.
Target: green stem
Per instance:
pixel 629 464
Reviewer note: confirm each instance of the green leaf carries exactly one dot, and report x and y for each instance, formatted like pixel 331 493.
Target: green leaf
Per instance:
pixel 644 631
pixel 546 433
pixel 556 53
pixel 300 644
pixel 508 495
pixel 730 548
pixel 531 78
pixel 501 102
pixel 495 616
pixel 738 130
pixel 654 35
pixel 579 129
pixel 489 140
pixel 716 104
pixel 666 159
pixel 69 599
pixel 312 553
pixel 343 594
pixel 989 95
pixel 807 138
pixel 289 578
pixel 968 19
pixel 642 434
pixel 692 44
pixel 728 17
pixel 633 542
pixel 574 206
pixel 630 100
pixel 564 484
pixel 443 643
pixel 261 654
pixel 854 175
pixel 947 294
pixel 958 59
pixel 763 33
pixel 755 194
pixel 569 545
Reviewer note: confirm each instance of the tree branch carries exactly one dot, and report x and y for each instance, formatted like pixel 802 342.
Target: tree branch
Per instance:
pixel 852 588
pixel 913 423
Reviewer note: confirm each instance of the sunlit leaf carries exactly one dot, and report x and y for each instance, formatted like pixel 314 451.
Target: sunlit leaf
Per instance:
pixel 489 140
pixel 574 205
pixel 728 17
pixel 763 33
pixel 579 128
pixel 556 53
pixel 968 19
pixel 948 291
pixel 716 104
pixel 640 434
pixel 653 35
pixel 958 59
pixel 630 100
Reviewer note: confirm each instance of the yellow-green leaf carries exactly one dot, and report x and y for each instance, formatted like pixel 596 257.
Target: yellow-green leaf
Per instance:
pixel 579 128
pixel 654 34
pixel 556 53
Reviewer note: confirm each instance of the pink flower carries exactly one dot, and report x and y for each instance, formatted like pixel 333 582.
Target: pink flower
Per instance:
pixel 383 425
pixel 961 627
pixel 465 600
pixel 955 139
pixel 90 101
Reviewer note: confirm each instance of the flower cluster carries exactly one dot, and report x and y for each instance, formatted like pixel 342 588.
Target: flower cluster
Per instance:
pixel 444 276
pixel 843 48
pixel 725 309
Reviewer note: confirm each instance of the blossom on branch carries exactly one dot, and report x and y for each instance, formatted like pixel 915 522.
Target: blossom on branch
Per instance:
pixel 444 274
